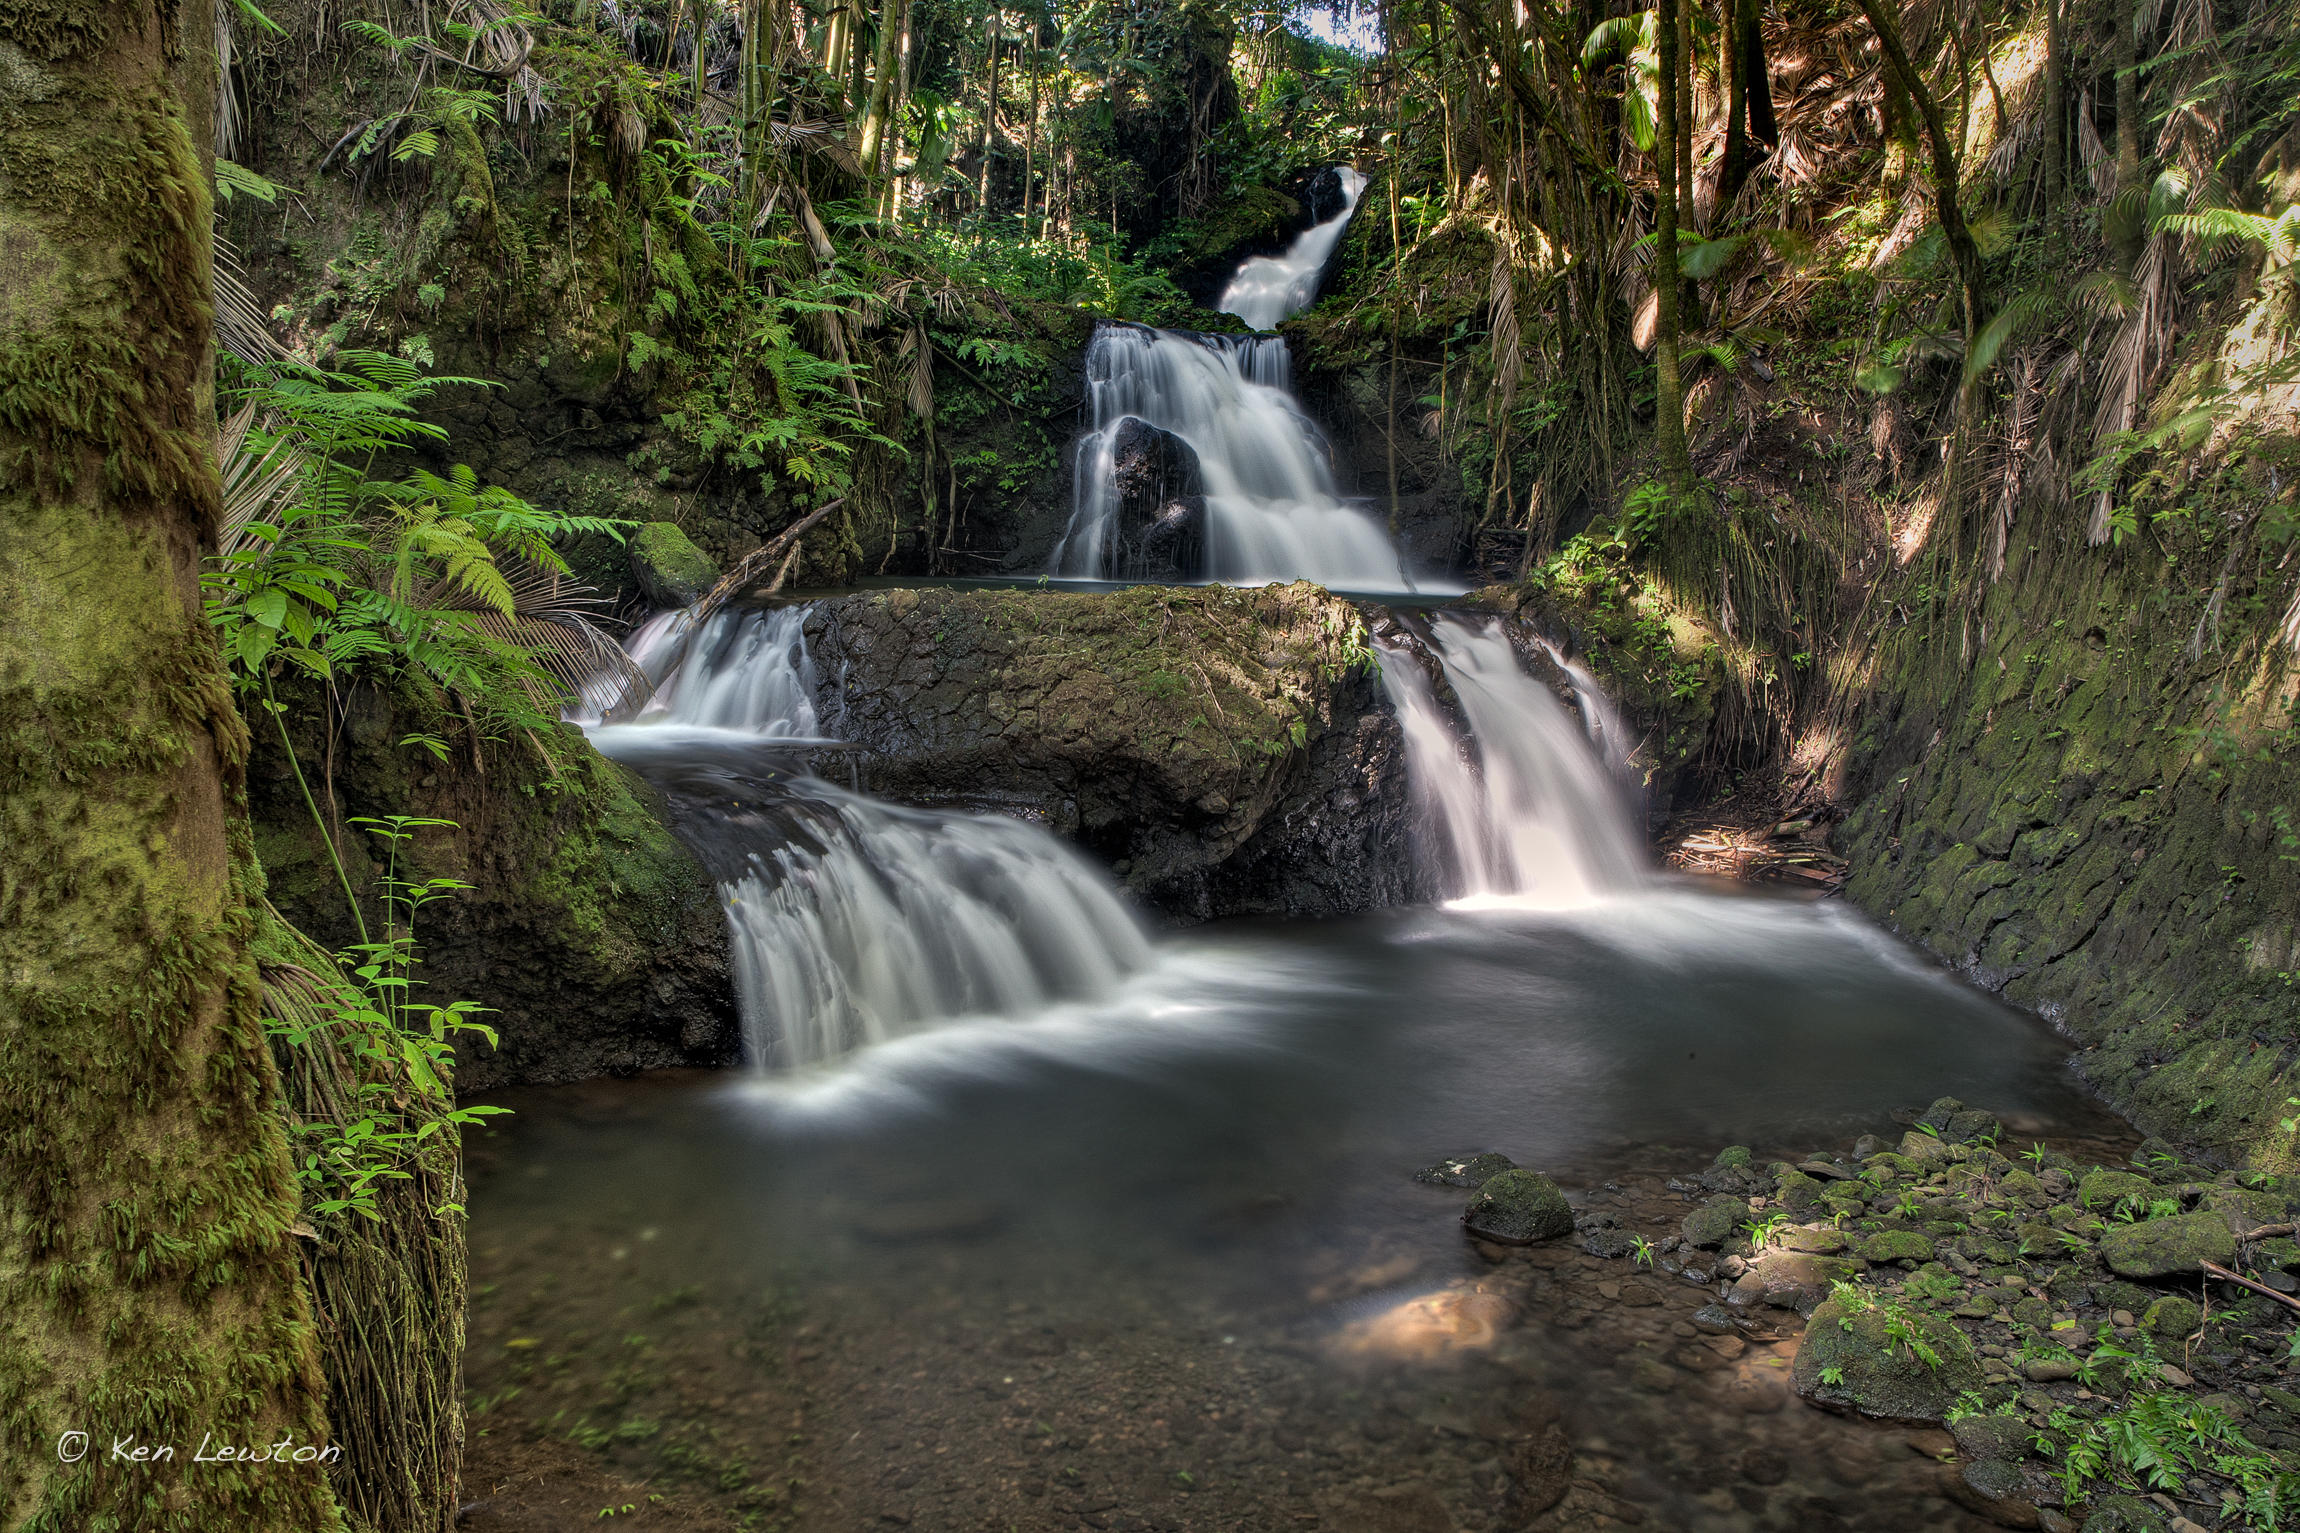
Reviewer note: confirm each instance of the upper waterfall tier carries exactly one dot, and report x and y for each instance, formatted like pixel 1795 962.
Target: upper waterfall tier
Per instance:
pixel 1268 289
pixel 1251 477
pixel 1523 812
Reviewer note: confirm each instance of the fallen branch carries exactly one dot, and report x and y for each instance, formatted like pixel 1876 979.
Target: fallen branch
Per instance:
pixel 756 563
pixel 2262 1289
pixel 2267 1232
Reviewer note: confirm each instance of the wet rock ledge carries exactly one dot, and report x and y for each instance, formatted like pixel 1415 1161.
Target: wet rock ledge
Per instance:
pixel 2104 1346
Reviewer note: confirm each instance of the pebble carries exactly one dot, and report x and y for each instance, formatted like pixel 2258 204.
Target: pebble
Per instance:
pixel 2121 1318
pixel 2174 1377
pixel 1764 1466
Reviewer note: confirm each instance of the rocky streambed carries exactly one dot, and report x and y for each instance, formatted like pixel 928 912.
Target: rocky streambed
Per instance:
pixel 1900 1333
pixel 2100 1345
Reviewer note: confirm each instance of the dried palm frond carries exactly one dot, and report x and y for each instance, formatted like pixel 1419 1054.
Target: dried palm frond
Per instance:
pixel 921 350
pixel 2014 460
pixel 227 100
pixel 2139 348
pixel 259 487
pixel 2099 163
pixel 240 326
pixel 555 619
pixel 1508 354
pixel 823 136
pixel 387 1293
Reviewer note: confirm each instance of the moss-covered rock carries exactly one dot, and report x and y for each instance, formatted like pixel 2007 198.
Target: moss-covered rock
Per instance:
pixel 1517 1208
pixel 2171 1318
pixel 670 569
pixel 1714 1222
pixel 1794 1188
pixel 1466 1170
pixel 2104 1188
pixel 593 935
pixel 1226 751
pixel 2123 1514
pixel 2160 1247
pixel 1871 1360
pixel 1896 1246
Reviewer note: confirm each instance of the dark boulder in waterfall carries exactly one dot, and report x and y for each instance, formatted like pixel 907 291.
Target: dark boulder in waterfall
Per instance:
pixel 1161 532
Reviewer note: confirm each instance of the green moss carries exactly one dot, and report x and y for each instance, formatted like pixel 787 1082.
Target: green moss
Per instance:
pixel 149 1287
pixel 1868 1360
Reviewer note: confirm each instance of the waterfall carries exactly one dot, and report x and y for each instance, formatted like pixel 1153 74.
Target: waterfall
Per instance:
pixel 894 918
pixel 1269 508
pixel 1268 289
pixel 1522 812
pixel 851 921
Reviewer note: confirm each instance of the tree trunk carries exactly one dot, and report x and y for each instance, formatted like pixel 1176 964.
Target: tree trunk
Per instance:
pixel 1669 391
pixel 149 1286
pixel 989 116
pixel 1686 217
pixel 881 86
pixel 2055 113
pixel 1735 169
pixel 1963 252
pixel 2132 215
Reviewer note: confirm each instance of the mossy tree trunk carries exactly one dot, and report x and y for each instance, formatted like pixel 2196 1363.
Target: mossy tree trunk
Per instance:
pixel 149 1287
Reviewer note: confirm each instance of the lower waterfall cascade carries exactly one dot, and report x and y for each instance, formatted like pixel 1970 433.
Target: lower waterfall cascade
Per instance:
pixel 852 921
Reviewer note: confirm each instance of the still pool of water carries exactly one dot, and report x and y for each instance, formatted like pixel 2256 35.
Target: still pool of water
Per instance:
pixel 1159 1261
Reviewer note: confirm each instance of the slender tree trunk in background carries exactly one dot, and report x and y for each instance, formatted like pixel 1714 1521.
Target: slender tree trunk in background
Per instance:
pixel 838 39
pixel 2126 54
pixel 1684 29
pixel 893 146
pixel 1735 169
pixel 1669 390
pixel 149 1287
pixel 1030 138
pixel 2055 114
pixel 1963 448
pixel 989 115
pixel 1962 251
pixel 881 88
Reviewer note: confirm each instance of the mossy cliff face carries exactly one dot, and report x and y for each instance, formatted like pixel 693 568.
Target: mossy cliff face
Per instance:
pixel 2096 823
pixel 592 933
pixel 1227 752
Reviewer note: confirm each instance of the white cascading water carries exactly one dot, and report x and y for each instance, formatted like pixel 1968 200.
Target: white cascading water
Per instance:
pixel 1271 510
pixel 1535 820
pixel 852 921
pixel 746 672
pixel 901 918
pixel 1268 289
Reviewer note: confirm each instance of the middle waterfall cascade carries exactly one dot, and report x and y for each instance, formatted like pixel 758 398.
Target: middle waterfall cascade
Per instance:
pixel 1271 513
pixel 1538 821
pixel 852 921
